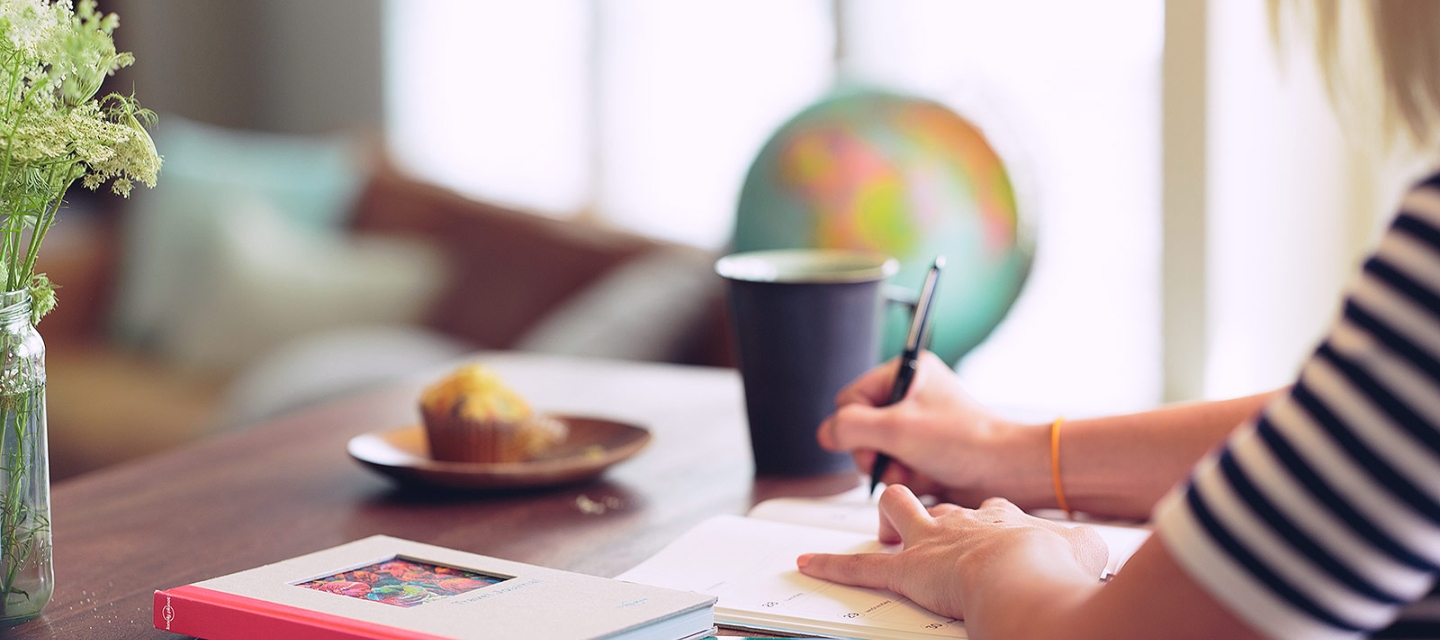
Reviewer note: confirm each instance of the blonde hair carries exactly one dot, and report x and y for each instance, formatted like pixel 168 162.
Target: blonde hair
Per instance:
pixel 1352 39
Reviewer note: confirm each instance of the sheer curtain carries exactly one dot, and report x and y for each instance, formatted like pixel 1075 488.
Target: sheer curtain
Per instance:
pixel 1069 92
pixel 492 98
pixel 1293 204
pixel 645 114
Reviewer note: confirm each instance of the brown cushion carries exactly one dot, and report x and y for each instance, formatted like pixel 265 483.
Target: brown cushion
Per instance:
pixel 508 268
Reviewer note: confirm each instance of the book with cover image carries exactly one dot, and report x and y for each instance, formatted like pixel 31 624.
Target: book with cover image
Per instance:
pixel 383 587
pixel 749 564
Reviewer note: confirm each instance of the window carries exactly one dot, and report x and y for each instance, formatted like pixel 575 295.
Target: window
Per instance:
pixel 1072 90
pixel 645 114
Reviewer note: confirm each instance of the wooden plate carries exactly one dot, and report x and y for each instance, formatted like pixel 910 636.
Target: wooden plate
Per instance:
pixel 592 445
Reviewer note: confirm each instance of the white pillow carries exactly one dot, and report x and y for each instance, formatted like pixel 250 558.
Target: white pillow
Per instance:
pixel 334 363
pixel 263 279
pixel 643 309
pixel 169 230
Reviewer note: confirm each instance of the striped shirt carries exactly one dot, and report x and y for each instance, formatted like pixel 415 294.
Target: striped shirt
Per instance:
pixel 1320 518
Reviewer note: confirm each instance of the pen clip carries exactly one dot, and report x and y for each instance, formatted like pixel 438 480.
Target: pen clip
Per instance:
pixel 915 339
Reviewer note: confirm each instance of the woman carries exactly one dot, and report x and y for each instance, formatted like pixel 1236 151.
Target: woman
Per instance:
pixel 1308 512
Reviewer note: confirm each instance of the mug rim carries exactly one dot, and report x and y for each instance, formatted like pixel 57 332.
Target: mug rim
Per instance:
pixel 825 266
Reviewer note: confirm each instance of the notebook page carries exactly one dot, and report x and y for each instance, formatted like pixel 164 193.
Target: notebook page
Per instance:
pixel 749 564
pixel 849 511
pixel 855 511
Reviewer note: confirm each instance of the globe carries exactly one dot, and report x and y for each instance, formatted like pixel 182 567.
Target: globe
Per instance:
pixel 904 176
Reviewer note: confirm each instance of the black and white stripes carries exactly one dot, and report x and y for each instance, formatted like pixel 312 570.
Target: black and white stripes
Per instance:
pixel 1321 518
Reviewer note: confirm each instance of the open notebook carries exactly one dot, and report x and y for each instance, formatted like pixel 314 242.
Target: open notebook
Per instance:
pixel 749 563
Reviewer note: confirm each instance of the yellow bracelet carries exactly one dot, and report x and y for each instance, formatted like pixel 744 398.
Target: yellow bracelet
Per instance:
pixel 1055 468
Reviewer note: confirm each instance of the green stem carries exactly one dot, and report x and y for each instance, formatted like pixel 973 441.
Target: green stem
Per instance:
pixel 42 226
pixel 13 500
pixel 9 529
pixel 16 224
pixel 17 541
pixel 15 229
pixel 14 78
pixel 9 246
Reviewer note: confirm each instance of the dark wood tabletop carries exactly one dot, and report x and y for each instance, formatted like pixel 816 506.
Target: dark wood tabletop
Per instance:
pixel 287 487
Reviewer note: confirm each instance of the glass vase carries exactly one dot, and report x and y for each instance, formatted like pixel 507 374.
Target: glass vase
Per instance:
pixel 27 577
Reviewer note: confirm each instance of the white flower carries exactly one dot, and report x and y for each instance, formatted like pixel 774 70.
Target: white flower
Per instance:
pixel 31 24
pixel 54 56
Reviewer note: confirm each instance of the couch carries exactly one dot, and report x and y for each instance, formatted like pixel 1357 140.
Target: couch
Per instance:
pixel 508 280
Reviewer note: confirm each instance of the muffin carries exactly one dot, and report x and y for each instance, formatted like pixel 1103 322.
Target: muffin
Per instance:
pixel 471 416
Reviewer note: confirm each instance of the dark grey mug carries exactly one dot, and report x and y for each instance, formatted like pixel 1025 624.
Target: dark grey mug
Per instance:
pixel 806 322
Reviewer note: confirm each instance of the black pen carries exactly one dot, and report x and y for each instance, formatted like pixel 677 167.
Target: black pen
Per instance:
pixel 910 358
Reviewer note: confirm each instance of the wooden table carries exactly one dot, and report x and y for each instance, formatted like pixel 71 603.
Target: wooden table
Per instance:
pixel 287 487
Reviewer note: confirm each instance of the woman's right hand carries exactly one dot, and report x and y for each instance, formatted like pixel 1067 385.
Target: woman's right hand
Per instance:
pixel 941 441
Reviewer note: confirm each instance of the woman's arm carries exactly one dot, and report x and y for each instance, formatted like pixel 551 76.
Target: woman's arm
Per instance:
pixel 1009 575
pixel 1122 465
pixel 947 444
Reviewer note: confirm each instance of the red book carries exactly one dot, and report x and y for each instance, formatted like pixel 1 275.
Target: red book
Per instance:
pixel 197 611
pixel 384 588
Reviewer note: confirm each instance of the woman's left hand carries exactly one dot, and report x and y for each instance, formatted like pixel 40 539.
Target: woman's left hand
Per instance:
pixel 951 553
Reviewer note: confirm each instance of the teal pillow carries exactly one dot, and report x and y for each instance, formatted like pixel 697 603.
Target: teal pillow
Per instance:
pixel 312 180
pixel 170 231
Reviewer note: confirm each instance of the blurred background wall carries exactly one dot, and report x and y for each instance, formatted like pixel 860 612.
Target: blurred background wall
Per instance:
pixel 1198 206
pixel 269 65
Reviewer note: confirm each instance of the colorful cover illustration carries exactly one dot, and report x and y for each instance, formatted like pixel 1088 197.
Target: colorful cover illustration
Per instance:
pixel 403 582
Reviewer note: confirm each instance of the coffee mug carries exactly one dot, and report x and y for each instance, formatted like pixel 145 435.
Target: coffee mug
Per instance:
pixel 806 322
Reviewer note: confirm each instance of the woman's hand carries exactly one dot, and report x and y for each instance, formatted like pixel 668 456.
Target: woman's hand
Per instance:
pixel 952 552
pixel 942 441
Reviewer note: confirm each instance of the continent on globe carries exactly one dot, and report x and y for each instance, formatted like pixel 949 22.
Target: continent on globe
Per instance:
pixel 904 176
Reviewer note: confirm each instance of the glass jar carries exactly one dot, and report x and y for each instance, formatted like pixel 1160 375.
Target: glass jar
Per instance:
pixel 27 577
